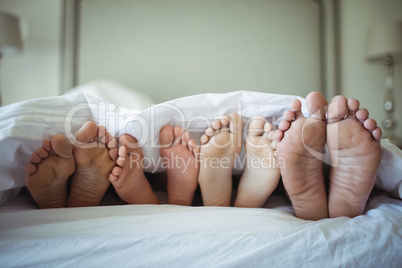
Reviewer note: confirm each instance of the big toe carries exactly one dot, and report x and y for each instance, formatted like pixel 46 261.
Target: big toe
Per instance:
pixel 62 146
pixel 166 136
pixel 129 142
pixel 316 105
pixel 337 109
pixel 87 132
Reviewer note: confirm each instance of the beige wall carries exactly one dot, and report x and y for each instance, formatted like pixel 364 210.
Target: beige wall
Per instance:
pixel 35 72
pixel 174 48
pixel 358 78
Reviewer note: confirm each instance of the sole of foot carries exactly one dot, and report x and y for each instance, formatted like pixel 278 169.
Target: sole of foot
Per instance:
pixel 48 170
pixel 220 146
pixel 353 141
pixel 95 153
pixel 301 144
pixel 261 174
pixel 128 178
pixel 179 154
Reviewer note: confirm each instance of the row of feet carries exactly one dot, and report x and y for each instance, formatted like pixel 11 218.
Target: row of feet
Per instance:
pixel 60 174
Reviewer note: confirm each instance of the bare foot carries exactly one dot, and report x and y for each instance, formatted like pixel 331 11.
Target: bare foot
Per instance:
pixel 220 146
pixel 179 154
pixel 302 174
pixel 128 177
pixel 47 172
pixel 95 154
pixel 261 175
pixel 353 141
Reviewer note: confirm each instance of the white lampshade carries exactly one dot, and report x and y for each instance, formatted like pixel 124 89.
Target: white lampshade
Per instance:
pixel 385 40
pixel 10 37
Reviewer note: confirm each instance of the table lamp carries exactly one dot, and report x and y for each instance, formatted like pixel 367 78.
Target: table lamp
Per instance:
pixel 384 47
pixel 10 37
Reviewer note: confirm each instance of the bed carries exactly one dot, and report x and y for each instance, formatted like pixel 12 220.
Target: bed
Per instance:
pixel 163 52
pixel 120 235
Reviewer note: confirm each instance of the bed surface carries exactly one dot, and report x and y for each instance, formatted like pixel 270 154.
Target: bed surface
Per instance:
pixel 178 236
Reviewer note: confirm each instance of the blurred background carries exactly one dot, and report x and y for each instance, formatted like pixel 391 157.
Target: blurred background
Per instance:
pixel 174 48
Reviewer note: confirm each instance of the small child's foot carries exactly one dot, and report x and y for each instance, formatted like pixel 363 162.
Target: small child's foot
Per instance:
pixel 94 155
pixel 302 174
pixel 353 141
pixel 48 170
pixel 179 154
pixel 128 178
pixel 220 145
pixel 261 175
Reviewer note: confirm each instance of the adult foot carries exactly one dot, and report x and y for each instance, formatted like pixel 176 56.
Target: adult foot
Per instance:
pixel 260 175
pixel 220 146
pixel 301 143
pixel 47 172
pixel 353 141
pixel 95 153
pixel 128 177
pixel 179 154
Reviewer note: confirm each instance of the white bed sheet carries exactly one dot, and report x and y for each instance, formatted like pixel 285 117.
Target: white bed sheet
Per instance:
pixel 178 236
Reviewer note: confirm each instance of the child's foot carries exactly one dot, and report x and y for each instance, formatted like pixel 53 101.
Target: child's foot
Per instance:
pixel 354 144
pixel 302 174
pixel 261 175
pixel 94 157
pixel 220 145
pixel 179 153
pixel 128 177
pixel 47 172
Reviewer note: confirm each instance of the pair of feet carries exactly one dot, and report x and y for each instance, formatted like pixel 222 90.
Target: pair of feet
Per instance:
pixel 95 161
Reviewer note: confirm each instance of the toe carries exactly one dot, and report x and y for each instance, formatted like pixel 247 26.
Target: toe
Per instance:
pixel 129 142
pixel 47 145
pixel 204 139
pixel 268 127
pixel 87 132
pixel 377 134
pixel 279 135
pixel 316 105
pixel 288 115
pixel 112 178
pixel 256 126
pixel 121 161
pixel 178 132
pixel 166 136
pixel 284 125
pixel 35 158
pixel 235 124
pixel 102 132
pixel 112 144
pixel 225 121
pixel 337 109
pixel 216 124
pixel 117 171
pixel 62 146
pixel 29 168
pixel 210 132
pixel 370 124
pixel 295 106
pixel 42 152
pixel 362 114
pixel 113 154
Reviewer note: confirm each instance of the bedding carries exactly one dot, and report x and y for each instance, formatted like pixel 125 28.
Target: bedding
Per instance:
pixel 116 234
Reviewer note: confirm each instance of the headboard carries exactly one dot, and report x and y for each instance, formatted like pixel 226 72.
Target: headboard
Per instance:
pixel 174 48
